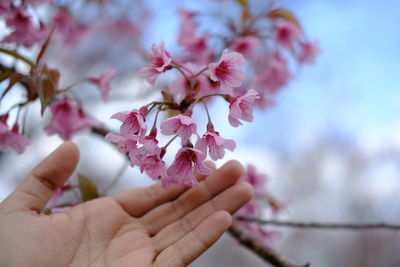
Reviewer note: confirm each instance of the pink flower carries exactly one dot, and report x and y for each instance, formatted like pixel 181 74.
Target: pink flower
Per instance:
pixel 308 52
pixel 246 45
pixel 286 34
pixel 11 138
pixel 133 123
pixel 104 82
pixel 5 7
pixel 25 33
pixel 125 145
pixel 68 119
pixel 274 76
pixel 180 171
pixel 187 29
pixel 182 124
pixel 256 179
pixel 69 27
pixel 215 143
pixel 160 61
pixel 154 167
pixel 241 108
pixel 227 70
pixel 195 44
pixel 150 145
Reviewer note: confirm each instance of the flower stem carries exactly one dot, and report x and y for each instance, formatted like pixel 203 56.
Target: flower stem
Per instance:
pixel 208 114
pixel 179 68
pixel 170 141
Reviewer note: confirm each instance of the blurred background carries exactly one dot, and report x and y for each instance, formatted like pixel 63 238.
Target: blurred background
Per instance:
pixel 330 146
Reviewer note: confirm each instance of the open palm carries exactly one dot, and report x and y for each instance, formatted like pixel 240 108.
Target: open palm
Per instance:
pixel 138 227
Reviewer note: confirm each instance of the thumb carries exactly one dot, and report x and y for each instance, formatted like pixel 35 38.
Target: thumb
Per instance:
pixel 50 174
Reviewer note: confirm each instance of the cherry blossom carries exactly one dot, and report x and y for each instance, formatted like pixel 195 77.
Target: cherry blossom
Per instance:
pixel 273 76
pixel 196 45
pixel 69 28
pixel 180 171
pixel 246 45
pixel 256 179
pixel 215 143
pixel 133 123
pixel 160 61
pixel 154 167
pixel 286 33
pixel 25 33
pixel 68 119
pixel 227 70
pixel 308 52
pixel 11 138
pixel 182 125
pixel 241 108
pixel 104 82
pixel 126 145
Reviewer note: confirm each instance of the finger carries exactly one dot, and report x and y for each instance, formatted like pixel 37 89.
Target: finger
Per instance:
pixel 222 178
pixel 209 164
pixel 196 242
pixel 50 174
pixel 138 201
pixel 231 200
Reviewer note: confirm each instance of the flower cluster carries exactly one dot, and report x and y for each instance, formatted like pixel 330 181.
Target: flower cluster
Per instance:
pixel 197 84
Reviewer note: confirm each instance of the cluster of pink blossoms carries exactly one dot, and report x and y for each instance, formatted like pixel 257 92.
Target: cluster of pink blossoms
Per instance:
pixel 196 85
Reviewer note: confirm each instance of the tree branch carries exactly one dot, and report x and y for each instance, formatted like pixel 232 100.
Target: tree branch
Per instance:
pixel 325 226
pixel 262 250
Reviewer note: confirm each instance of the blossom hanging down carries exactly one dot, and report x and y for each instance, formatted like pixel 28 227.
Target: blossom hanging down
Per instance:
pixel 180 172
pixel 68 118
pixel 308 52
pixel 160 61
pixel 11 138
pixel 287 33
pixel 182 124
pixel 227 71
pixel 215 144
pixel 133 123
pixel 246 45
pixel 24 32
pixel 240 108
pixel 104 82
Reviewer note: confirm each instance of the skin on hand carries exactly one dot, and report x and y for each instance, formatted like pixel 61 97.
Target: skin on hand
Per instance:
pixel 138 227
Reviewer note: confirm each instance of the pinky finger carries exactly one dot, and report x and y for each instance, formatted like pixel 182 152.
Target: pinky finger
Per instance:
pixel 196 242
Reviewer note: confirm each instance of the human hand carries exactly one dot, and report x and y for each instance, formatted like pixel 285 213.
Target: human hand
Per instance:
pixel 139 227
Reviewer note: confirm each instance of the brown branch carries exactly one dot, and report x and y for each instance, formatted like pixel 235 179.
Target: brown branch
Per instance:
pixel 323 226
pixel 262 250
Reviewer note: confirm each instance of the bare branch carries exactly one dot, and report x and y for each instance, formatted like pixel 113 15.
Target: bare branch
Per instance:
pixel 262 250
pixel 325 226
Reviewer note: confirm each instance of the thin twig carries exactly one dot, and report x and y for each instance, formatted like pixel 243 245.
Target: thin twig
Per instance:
pixel 325 226
pixel 262 250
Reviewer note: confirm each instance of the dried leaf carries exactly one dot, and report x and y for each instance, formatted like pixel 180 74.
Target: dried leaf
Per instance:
pixel 281 13
pixel 87 188
pixel 47 85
